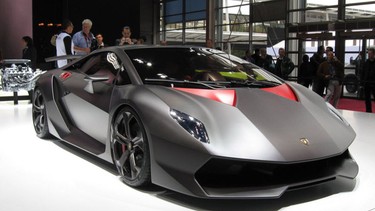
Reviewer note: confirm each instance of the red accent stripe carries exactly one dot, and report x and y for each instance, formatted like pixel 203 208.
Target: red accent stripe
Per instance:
pixel 227 96
pixel 65 75
pixel 283 91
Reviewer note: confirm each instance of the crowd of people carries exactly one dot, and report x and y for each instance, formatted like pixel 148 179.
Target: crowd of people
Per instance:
pixel 327 73
pixel 322 73
pixel 84 41
pixel 282 68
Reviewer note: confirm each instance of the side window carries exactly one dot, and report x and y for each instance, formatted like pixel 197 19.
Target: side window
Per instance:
pixel 104 64
pixel 91 65
pixel 122 77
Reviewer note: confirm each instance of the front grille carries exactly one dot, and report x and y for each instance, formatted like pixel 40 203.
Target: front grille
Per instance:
pixel 223 173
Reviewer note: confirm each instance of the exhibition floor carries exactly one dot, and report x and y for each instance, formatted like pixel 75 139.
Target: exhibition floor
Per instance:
pixel 40 174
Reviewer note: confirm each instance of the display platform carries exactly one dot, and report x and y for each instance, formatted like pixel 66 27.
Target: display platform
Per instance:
pixel 40 174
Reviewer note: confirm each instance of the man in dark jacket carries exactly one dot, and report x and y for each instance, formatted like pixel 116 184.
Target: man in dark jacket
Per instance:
pixel 265 61
pixel 315 61
pixel 332 73
pixel 284 66
pixel 305 73
pixel 29 52
pixel 368 78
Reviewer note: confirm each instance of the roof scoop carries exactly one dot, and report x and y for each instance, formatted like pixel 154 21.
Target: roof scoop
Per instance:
pixel 282 90
pixel 227 96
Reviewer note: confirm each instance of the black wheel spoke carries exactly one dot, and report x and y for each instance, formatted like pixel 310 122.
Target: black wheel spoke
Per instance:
pixel 138 143
pixel 38 123
pixel 124 157
pixel 37 108
pixel 41 120
pixel 127 119
pixel 37 120
pixel 122 139
pixel 133 166
pixel 120 129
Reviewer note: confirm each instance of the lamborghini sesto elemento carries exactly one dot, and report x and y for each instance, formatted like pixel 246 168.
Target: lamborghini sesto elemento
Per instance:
pixel 194 120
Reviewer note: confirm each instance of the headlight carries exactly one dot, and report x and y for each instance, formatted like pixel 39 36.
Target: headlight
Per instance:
pixel 335 113
pixel 191 125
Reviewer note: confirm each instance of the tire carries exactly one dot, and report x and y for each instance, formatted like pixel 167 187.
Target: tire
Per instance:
pixel 351 83
pixel 130 149
pixel 39 115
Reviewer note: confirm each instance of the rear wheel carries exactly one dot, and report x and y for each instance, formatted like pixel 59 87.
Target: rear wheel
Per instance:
pixel 39 115
pixel 130 149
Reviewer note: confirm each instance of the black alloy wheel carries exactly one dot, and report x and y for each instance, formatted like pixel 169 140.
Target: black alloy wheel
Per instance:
pixel 130 149
pixel 39 115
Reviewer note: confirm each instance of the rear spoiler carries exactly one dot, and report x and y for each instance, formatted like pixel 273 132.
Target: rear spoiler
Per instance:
pixel 56 58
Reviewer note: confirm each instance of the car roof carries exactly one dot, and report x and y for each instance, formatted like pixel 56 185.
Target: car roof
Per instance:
pixel 130 47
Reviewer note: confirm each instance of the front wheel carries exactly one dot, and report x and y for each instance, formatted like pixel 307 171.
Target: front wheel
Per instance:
pixel 39 115
pixel 130 150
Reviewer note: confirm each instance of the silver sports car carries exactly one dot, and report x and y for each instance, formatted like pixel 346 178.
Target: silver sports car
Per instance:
pixel 194 120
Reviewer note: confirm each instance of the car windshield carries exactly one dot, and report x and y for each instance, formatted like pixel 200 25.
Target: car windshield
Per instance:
pixel 197 65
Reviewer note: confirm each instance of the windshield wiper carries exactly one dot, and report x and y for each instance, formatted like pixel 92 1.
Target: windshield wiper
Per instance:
pixel 211 84
pixel 256 84
pixel 181 83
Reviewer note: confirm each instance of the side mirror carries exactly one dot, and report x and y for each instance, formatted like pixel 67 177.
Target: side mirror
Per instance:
pixel 90 79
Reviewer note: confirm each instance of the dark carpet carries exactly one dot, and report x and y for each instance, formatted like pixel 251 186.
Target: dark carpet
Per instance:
pixel 353 105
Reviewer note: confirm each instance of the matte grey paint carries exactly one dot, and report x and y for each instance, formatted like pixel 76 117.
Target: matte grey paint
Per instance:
pixel 262 127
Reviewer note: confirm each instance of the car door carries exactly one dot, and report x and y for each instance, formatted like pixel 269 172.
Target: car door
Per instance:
pixel 88 93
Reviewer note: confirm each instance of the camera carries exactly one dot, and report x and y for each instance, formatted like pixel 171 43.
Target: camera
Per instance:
pixel 94 45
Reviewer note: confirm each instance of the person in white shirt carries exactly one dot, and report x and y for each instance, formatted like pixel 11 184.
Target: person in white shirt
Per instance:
pixel 64 44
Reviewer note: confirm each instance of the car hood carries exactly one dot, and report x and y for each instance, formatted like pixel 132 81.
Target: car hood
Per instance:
pixel 265 126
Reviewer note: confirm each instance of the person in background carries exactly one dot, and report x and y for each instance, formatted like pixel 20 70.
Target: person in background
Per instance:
pixel 141 40
pixel 358 63
pixel 265 61
pixel 305 72
pixel 209 43
pixel 255 55
pixel 315 61
pixel 284 66
pixel 328 49
pixel 29 51
pixel 248 56
pixel 83 39
pixel 126 37
pixel 368 78
pixel 332 72
pixel 64 43
pixel 98 42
